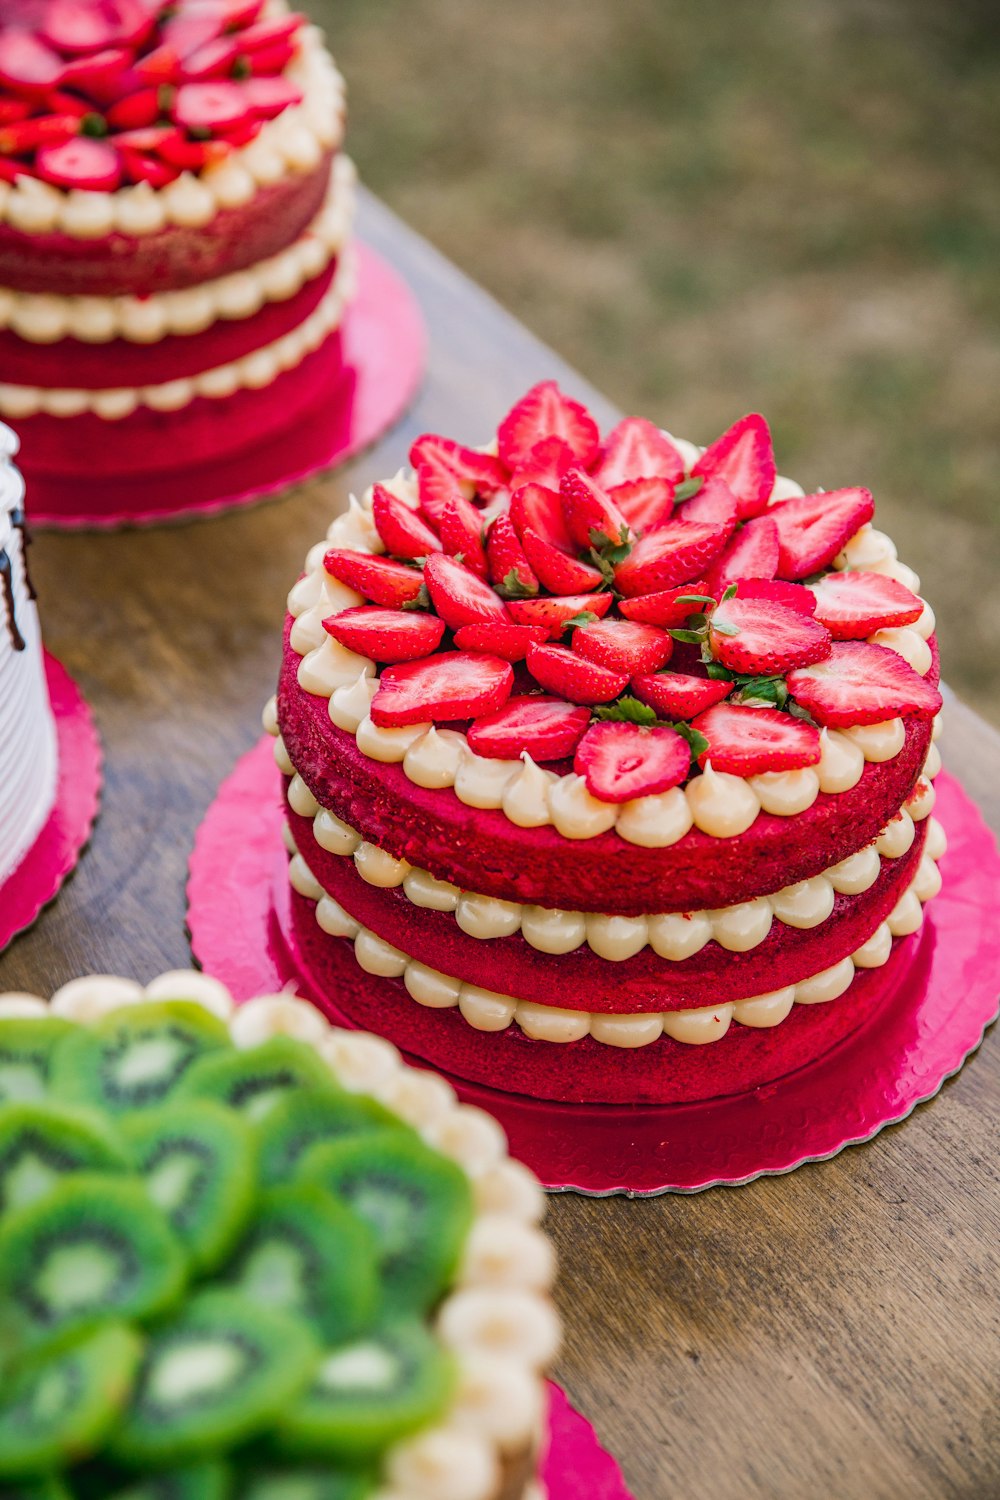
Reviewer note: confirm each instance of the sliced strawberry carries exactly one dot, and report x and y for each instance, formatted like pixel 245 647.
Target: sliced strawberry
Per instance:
pixel 560 573
pixel 80 163
pixel 210 106
pixel 743 457
pixel 268 62
pixel 545 412
pixel 622 761
pixel 553 613
pixel 266 34
pixel 103 76
pixel 862 684
pixel 748 741
pixel 404 532
pixel 812 529
pixel 752 552
pixel 44 130
pixel 500 638
pixel 162 65
pixel 572 677
pixel 588 510
pixel 458 595
pixel 546 465
pixel 437 489
pixel 74 28
pixel 26 65
pixel 854 605
pixel 378 578
pixel 714 502
pixel 136 111
pixel 386 634
pixel 540 508
pixel 675 695
pixel 791 595
pixel 451 685
pixel 669 608
pixel 505 557
pixel 191 156
pixel 14 110
pixel 268 97
pixel 623 645
pixel 645 503
pixel 142 168
pixel 214 59
pixel 677 552
pixel 192 27
pixel 482 471
pixel 760 637
pixel 10 171
pixel 461 531
pixel 636 449
pixel 547 728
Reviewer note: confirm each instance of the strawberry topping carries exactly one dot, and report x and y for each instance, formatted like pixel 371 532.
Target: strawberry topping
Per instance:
pixel 676 553
pixel 749 741
pixel 714 502
pixel 555 613
pixel 854 605
pixel 546 465
pixel 590 513
pixel 461 529
pixel 458 594
pixel 500 638
pixel 572 677
pixel 453 685
pixel 670 607
pixel 791 595
pixel 622 761
pixel 559 573
pixel 403 531
pixel 675 695
pixel 379 578
pixel 862 684
pixel 481 471
pixel 509 568
pixel 645 503
pixel 812 529
pixel 760 637
pixel 635 450
pixel 546 728
pixel 386 634
pixel 80 163
pixel 744 458
pixel 623 645
pixel 537 506
pixel 545 412
pixel 751 553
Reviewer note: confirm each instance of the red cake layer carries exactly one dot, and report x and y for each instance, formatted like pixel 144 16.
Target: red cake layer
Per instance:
pixel 482 850
pixel 582 980
pixel 173 257
pixel 665 1072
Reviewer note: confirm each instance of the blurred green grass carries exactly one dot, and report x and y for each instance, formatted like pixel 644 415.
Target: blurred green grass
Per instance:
pixel 716 205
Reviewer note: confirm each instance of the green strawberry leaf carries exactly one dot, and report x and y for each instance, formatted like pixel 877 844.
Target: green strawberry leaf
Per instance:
pixel 626 710
pixel 585 617
pixel 688 488
pixel 422 601
pixel 513 588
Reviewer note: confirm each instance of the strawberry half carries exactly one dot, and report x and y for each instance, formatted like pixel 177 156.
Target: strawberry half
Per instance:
pixel 540 508
pixel 791 595
pixel 622 761
pixel 547 464
pixel 506 556
pixel 636 449
pixel 669 608
pixel 458 595
pixel 645 503
pixel 545 412
pixel 744 457
pixel 92 165
pixel 752 552
pixel 760 637
pixel 812 529
pixel 482 471
pixel 589 510
pixel 675 695
pixel 452 685
pixel 547 728
pixel 749 741
pixel 461 531
pixel 386 634
pixel 553 613
pixel 437 489
pixel 853 605
pixel 572 677
pixel 862 684
pixel 676 553
pixel 379 578
pixel 623 645
pixel 404 532
pixel 560 573
pixel 714 502
pixel 500 638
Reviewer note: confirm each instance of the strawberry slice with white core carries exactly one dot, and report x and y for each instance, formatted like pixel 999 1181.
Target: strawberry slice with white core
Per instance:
pixel 458 595
pixel 812 529
pixel 791 595
pixel 560 573
pixel 379 578
pixel 752 552
pixel 762 638
pixel 461 530
pixel 678 552
pixel 404 532
pixel 855 605
pixel 645 503
pixel 623 645
pixel 547 728
pixel 482 471
pixel 437 488
pixel 81 163
pixel 636 449
pixel 670 607
pixel 589 511
pixel 554 613
pixel 676 695
pixel 547 464
pixel 211 107
pixel 505 557
pixel 386 634
pixel 744 457
pixel 622 761
pixel 545 412
pixel 74 28
pixel 540 508
pixel 26 65
pixel 749 741
pixel 572 677
pixel 714 502
pixel 862 684
pixel 452 685
pixel 500 638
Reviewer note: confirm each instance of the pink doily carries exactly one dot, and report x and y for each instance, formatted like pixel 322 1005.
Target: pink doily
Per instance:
pixel 57 848
pixel 240 931
pixel 576 1466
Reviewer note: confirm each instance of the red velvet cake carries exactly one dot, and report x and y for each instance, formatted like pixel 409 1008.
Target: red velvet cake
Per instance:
pixel 175 221
pixel 608 760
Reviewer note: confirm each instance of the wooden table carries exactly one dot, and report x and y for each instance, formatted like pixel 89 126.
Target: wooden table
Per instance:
pixel 833 1333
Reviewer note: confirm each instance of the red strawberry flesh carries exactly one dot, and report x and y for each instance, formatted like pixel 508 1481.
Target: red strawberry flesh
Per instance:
pixel 645 503
pixel 767 638
pixel 572 677
pixel 752 552
pixel 714 502
pixel 635 450
pixel 624 645
pixel 749 741
pixel 403 531
pixel 546 728
pixel 676 695
pixel 388 635
pixel 449 686
pixel 559 573
pixel 540 508
pixel 855 605
pixel 458 595
pixel 500 638
pixel 744 458
pixel 676 553
pixel 545 412
pixel 670 608
pixel 553 613
pixel 812 529
pixel 481 470
pixel 379 578
pixel 623 761
pixel 81 163
pixel 859 683
pixel 791 595
pixel 589 512
pixel 505 557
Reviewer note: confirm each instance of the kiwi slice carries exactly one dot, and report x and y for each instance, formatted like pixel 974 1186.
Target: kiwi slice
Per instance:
pixel 60 1409
pixel 306 1484
pixel 306 1116
pixel 254 1080
pixel 311 1256
pixel 198 1160
pixel 27 1044
pixel 94 1247
pixel 41 1141
pixel 134 1057
pixel 417 1203
pixel 211 1480
pixel 368 1394
pixel 216 1375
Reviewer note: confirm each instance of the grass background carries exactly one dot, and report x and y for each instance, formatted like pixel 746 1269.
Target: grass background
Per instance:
pixel 711 206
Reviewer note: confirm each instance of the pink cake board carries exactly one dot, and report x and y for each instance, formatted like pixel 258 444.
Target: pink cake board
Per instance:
pixel 576 1467
pixel 384 345
pixel 238 917
pixel 54 854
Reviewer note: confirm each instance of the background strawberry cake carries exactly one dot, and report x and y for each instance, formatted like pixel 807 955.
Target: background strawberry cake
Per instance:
pixel 608 760
pixel 174 239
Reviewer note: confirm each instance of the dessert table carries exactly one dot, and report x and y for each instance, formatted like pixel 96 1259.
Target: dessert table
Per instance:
pixel 832 1332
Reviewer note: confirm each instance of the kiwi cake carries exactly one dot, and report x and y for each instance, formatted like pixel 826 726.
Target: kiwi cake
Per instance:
pixel 245 1255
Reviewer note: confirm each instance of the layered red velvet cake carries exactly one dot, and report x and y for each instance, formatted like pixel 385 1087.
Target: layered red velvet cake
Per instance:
pixel 174 242
pixel 608 760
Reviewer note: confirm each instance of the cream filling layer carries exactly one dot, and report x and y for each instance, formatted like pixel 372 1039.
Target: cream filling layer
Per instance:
pixel 44 318
pixel 252 371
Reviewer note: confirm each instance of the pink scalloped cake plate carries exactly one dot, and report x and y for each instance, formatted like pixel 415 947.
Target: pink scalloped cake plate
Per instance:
pixel 917 1036
pixel 371 372
pixel 576 1467
pixel 53 855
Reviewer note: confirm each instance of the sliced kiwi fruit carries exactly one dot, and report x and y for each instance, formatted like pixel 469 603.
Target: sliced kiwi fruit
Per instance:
pixel 94 1247
pixel 417 1203
pixel 368 1394
pixel 27 1044
pixel 306 1116
pixel 214 1376
pixel 210 1480
pixel 134 1057
pixel 310 1255
pixel 41 1141
pixel 198 1161
pixel 305 1484
pixel 254 1080
pixel 58 1410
